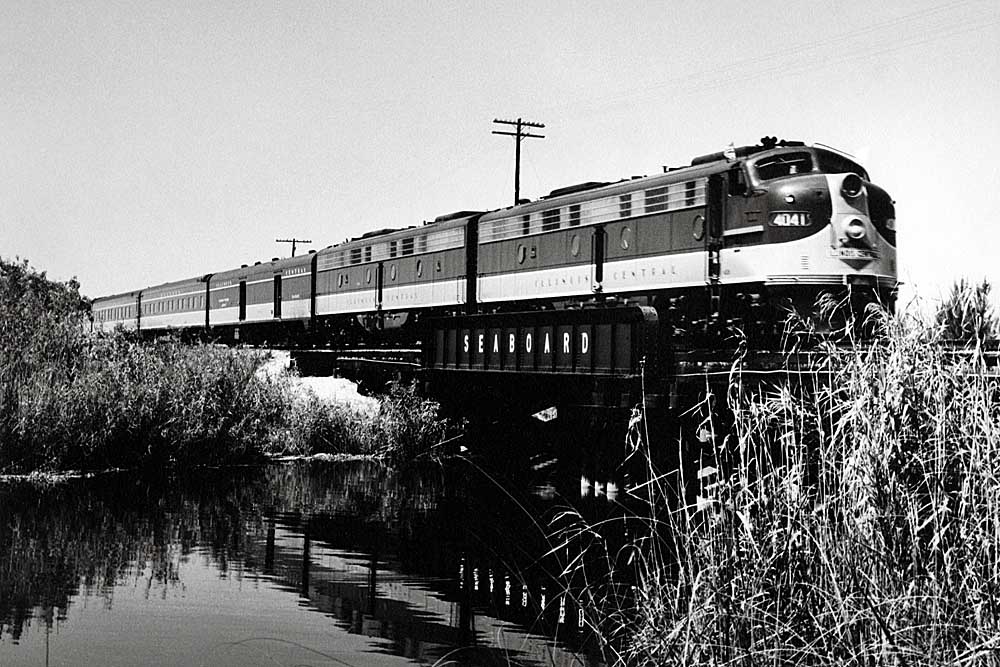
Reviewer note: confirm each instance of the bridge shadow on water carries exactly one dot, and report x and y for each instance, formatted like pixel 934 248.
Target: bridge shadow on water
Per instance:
pixel 464 562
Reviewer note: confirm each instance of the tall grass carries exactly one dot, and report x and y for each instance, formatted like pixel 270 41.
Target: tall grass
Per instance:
pixel 966 314
pixel 404 428
pixel 848 515
pixel 121 403
pixel 73 399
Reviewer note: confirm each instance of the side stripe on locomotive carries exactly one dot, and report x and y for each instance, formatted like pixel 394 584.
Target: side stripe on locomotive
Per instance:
pixel 438 293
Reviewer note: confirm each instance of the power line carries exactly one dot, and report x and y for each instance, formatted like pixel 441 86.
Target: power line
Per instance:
pixel 518 136
pixel 794 58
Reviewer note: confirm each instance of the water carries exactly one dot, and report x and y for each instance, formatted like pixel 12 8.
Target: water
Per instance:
pixel 295 564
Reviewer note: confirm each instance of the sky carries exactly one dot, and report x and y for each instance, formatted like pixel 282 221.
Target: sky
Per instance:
pixel 143 142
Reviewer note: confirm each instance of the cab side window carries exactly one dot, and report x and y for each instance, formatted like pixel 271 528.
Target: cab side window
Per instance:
pixel 737 182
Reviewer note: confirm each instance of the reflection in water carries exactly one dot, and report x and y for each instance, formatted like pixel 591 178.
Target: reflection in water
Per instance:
pixel 231 567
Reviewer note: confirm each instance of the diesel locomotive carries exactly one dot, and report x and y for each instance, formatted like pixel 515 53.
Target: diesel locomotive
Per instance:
pixel 734 241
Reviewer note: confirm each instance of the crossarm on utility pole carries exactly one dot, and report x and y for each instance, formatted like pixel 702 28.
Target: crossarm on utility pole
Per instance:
pixel 293 241
pixel 519 135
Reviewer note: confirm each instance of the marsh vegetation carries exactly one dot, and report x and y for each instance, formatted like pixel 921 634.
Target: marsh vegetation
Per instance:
pixel 846 515
pixel 71 398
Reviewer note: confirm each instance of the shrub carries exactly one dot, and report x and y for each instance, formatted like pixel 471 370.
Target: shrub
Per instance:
pixel 123 403
pixel 405 427
pixel 73 399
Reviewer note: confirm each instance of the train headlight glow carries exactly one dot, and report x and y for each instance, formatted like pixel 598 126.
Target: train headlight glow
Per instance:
pixel 852 186
pixel 790 219
pixel 855 229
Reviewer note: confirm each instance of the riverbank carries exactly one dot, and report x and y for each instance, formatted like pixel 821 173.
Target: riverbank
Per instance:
pixel 72 399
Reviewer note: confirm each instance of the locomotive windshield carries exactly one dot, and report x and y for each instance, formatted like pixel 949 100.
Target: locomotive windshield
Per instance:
pixel 802 162
pixel 831 163
pixel 785 164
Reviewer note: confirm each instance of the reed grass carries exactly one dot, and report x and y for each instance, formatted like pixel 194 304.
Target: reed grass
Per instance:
pixel 966 314
pixel 848 515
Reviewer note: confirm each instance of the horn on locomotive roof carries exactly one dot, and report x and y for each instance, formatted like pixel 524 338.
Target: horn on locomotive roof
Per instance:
pixel 773 142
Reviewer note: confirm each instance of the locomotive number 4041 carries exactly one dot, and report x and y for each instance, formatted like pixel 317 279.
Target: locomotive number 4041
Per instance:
pixel 790 219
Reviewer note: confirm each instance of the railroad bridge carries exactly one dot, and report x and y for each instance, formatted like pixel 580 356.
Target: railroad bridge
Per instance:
pixel 588 367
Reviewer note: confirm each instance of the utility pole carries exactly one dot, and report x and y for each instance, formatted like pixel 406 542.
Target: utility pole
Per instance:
pixel 518 136
pixel 293 241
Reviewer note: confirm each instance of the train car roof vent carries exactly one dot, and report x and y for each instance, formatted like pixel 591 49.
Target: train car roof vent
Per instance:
pixel 453 216
pixel 636 178
pixel 243 266
pixel 579 187
pixel 274 259
pixel 256 263
pixel 313 251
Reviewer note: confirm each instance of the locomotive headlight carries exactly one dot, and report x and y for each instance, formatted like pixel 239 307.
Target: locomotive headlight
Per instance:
pixel 855 229
pixel 851 186
pixel 890 224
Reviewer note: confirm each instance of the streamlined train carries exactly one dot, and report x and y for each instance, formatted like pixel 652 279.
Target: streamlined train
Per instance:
pixel 732 241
